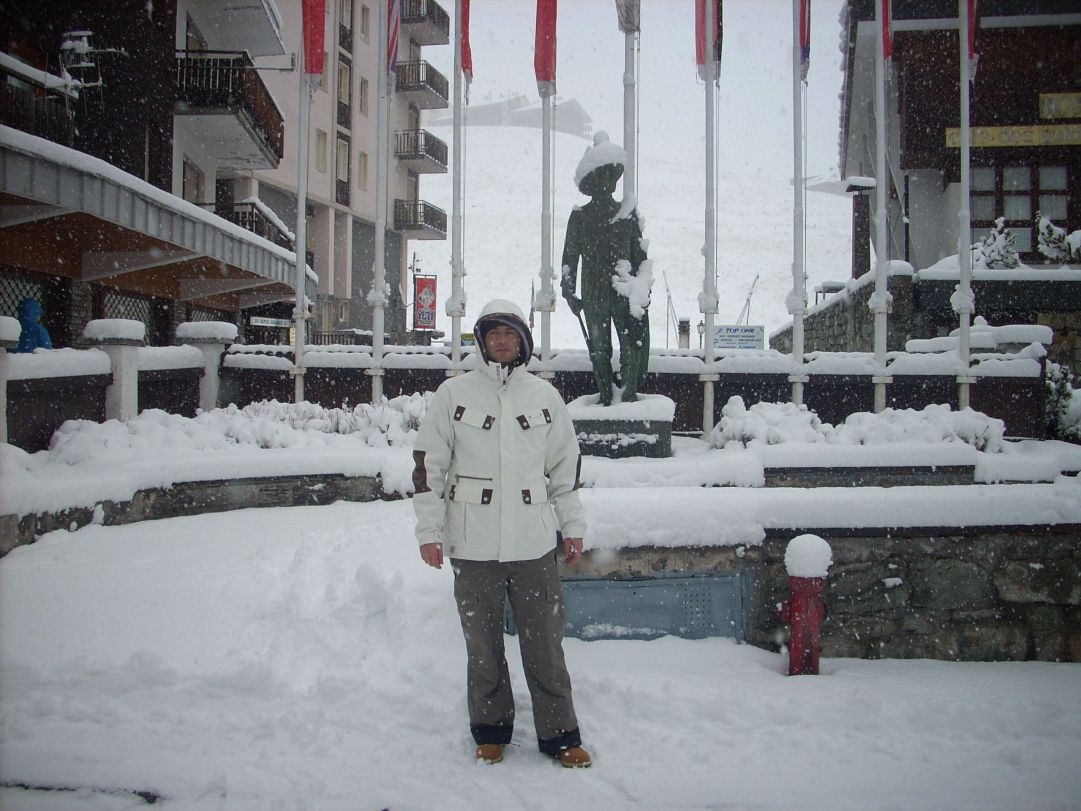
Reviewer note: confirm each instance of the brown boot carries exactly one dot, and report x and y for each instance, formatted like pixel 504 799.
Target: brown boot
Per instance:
pixel 491 753
pixel 574 758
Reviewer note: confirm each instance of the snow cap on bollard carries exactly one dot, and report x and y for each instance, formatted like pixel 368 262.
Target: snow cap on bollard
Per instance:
pixel 808 556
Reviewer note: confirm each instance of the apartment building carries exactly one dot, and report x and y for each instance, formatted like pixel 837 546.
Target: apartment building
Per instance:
pixel 342 195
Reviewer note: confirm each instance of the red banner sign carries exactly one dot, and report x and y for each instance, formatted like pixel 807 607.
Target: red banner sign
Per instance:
pixel 424 299
pixel 313 13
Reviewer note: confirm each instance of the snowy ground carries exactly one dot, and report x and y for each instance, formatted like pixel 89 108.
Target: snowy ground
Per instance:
pixel 304 658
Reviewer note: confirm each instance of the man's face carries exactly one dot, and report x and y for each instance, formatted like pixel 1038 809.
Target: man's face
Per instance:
pixel 501 343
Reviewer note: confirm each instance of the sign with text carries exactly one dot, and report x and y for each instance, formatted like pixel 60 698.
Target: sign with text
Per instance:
pixel 424 299
pixel 739 336
pixel 1060 105
pixel 1035 135
pixel 260 321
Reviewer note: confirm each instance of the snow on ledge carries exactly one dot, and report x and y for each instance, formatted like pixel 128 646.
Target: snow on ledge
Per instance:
pixel 154 358
pixel 58 363
pixel 649 407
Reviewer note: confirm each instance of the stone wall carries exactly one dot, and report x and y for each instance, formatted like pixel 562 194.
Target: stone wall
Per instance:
pixel 987 594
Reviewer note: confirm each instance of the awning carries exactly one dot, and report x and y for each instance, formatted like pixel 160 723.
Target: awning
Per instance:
pixel 66 213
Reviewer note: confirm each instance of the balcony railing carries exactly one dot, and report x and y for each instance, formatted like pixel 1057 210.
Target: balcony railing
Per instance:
pixel 426 22
pixel 416 215
pixel 221 80
pixel 248 216
pixel 427 87
pixel 44 116
pixel 421 150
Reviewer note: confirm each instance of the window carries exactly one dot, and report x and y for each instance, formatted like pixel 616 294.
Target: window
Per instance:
pixel 326 70
pixel 345 82
pixel 1017 192
pixel 193 183
pixel 362 102
pixel 362 169
pixel 345 14
pixel 341 160
pixel 320 150
pixel 365 22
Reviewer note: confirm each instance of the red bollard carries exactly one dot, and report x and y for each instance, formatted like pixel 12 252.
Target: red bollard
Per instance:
pixel 807 611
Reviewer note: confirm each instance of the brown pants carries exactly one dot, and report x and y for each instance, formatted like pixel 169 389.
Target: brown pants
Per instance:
pixel 536 598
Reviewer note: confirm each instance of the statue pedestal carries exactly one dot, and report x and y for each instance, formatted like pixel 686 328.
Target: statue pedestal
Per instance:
pixel 641 428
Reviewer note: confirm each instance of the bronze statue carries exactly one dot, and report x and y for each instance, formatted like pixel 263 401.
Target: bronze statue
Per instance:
pixel 606 235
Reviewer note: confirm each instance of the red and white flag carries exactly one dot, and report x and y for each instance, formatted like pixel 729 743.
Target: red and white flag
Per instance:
pixel 700 30
pixel 630 15
pixel 394 24
pixel 804 38
pixel 467 54
pixel 887 30
pixel 973 32
pixel 313 14
pixel 544 54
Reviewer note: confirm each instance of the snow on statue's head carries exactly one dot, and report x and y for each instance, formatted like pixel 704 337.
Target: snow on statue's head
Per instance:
pixel 601 166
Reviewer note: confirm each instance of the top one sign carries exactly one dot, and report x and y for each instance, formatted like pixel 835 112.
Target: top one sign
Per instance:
pixel 736 336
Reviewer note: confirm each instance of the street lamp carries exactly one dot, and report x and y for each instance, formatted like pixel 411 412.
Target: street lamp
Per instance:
pixel 701 334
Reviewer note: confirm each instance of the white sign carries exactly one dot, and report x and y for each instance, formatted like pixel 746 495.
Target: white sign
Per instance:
pixel 259 321
pixel 735 336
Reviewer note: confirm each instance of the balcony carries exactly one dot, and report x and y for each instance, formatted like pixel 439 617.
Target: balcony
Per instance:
pixel 422 85
pixel 254 219
pixel 221 101
pixel 420 151
pixel 44 116
pixel 425 22
pixel 420 220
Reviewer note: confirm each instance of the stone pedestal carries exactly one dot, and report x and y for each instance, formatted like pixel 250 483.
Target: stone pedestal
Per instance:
pixel 641 428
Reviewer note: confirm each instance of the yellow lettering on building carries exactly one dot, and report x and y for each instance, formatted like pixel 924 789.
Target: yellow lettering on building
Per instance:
pixel 1019 136
pixel 1060 105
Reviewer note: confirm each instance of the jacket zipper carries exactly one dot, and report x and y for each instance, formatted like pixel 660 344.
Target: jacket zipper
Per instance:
pixel 458 477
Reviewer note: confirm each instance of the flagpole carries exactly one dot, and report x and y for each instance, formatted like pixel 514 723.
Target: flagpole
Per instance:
pixel 880 299
pixel 797 300
pixel 709 282
pixel 630 169
pixel 964 302
pixel 545 67
pixel 377 296
pixel 455 307
pixel 300 242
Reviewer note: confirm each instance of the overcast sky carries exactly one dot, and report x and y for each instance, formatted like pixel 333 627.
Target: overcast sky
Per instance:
pixel 755 107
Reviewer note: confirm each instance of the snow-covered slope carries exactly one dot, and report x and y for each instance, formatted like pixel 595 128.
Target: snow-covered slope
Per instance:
pixel 502 243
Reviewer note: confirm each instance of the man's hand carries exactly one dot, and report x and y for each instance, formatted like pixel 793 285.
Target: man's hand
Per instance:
pixel 572 550
pixel 432 554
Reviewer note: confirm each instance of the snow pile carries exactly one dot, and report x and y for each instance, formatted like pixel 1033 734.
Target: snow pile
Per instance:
pixel 808 556
pixel 777 423
pixel 766 424
pixel 392 422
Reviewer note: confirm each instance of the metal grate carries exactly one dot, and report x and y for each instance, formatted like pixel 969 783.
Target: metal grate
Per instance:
pixel 135 308
pixel 204 314
pixel 14 289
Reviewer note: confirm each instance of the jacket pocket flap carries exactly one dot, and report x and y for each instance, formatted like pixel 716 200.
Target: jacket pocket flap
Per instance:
pixel 535 419
pixel 471 491
pixel 471 416
pixel 537 494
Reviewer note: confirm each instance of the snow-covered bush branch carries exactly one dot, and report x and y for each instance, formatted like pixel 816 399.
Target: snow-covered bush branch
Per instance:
pixel 1054 243
pixel 775 423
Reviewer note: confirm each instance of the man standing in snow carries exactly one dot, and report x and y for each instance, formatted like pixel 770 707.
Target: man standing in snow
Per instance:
pixel 495 484
pixel 608 239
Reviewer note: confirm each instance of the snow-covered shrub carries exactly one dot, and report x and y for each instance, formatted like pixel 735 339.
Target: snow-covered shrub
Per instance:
pixel 391 422
pixel 997 250
pixel 934 423
pixel 766 424
pixel 1054 243
pixel 1063 404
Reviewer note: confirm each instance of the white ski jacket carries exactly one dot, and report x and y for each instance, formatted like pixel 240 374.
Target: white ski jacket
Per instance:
pixel 497 465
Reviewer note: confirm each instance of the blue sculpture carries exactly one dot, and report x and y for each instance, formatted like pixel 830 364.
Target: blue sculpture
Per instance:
pixel 34 335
